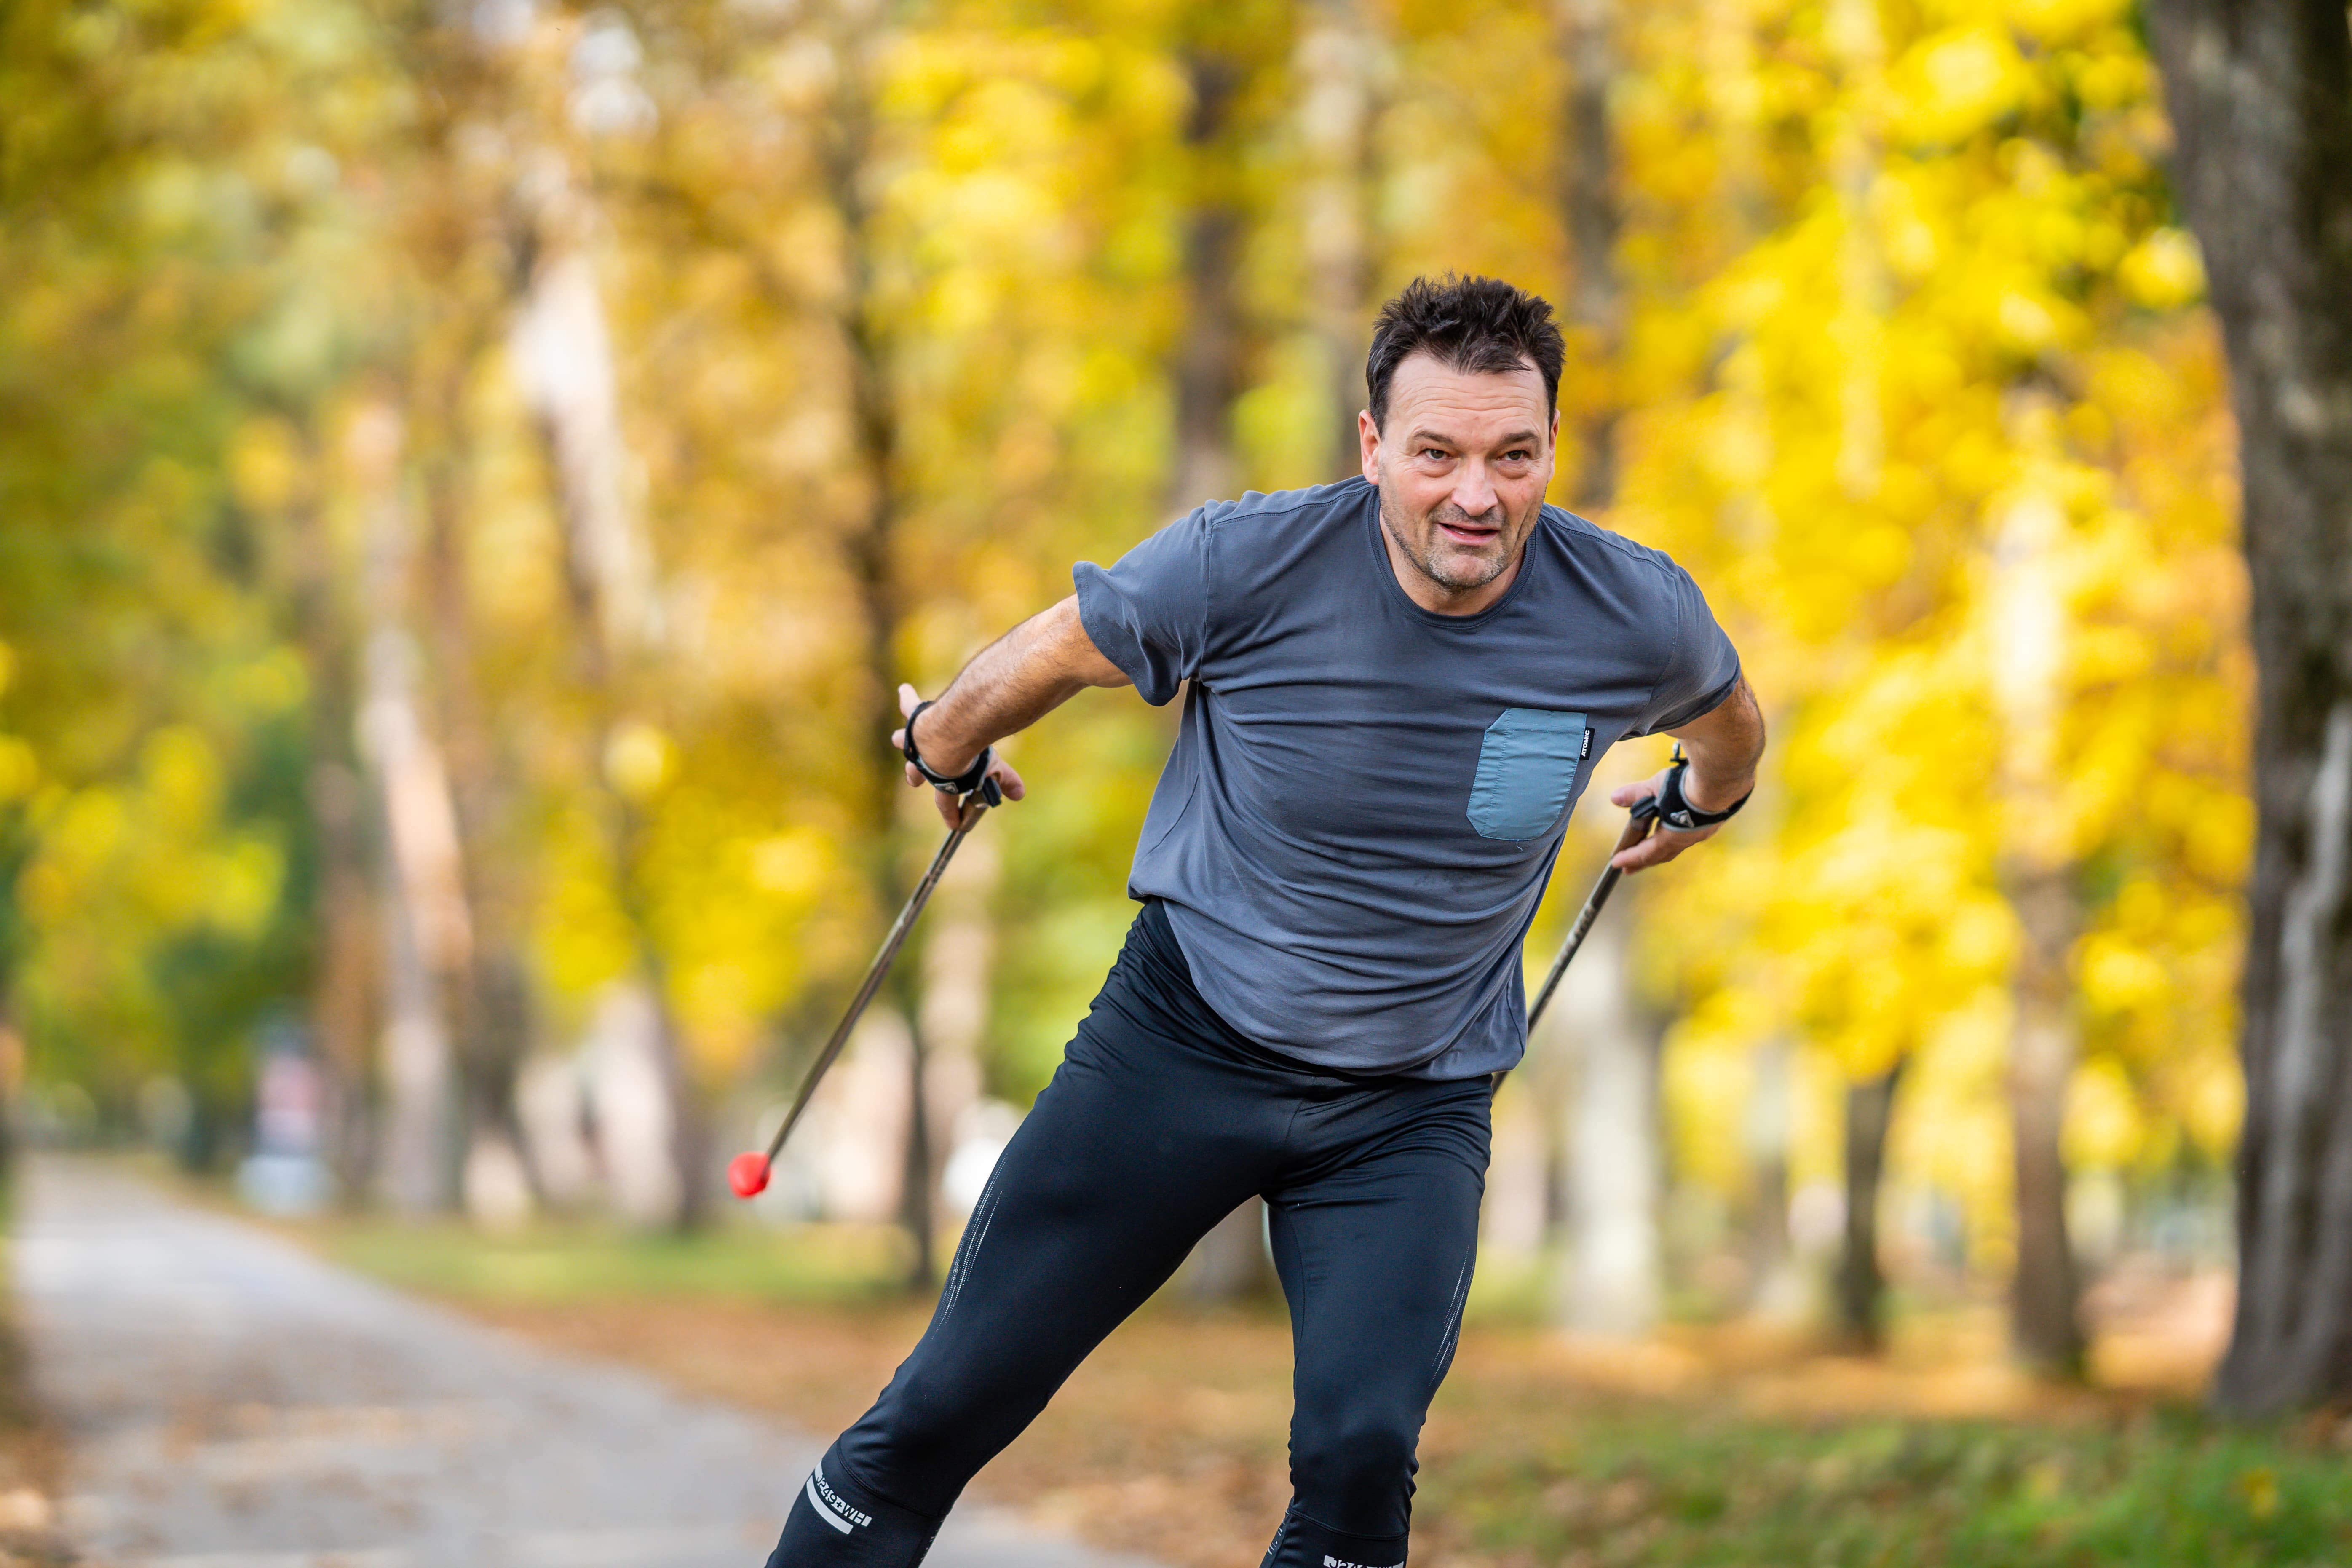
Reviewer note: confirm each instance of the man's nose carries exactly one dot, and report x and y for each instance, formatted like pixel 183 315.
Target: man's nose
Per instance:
pixel 1474 490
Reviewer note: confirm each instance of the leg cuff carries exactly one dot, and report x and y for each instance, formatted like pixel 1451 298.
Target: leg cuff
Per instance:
pixel 834 1523
pixel 1301 1542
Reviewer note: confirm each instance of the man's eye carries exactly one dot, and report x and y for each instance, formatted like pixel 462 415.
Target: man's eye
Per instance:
pixel 1435 454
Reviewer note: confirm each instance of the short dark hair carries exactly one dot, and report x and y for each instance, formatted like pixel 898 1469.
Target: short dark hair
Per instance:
pixel 1479 326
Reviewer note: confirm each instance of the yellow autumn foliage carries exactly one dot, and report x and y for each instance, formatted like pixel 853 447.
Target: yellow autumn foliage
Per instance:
pixel 1911 372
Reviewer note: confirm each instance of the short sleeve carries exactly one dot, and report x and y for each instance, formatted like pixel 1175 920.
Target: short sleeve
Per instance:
pixel 1150 614
pixel 1701 671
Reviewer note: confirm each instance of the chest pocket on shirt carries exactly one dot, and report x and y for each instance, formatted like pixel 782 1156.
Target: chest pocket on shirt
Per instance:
pixel 1526 766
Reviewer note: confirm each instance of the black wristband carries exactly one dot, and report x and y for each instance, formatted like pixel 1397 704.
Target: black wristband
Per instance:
pixel 964 782
pixel 1676 812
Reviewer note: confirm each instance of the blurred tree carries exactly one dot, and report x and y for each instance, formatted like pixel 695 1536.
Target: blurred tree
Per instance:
pixel 1590 206
pixel 1861 1275
pixel 1957 222
pixel 640 479
pixel 16 847
pixel 1229 59
pixel 564 357
pixel 1612 1281
pixel 279 456
pixel 458 216
pixel 489 999
pixel 867 322
pixel 2040 877
pixel 160 226
pixel 1340 68
pixel 2261 100
pixel 1853 149
pixel 1213 354
pixel 427 926
pixel 1614 1284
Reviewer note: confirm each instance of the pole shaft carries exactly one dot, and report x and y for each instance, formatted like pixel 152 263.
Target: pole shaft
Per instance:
pixel 974 809
pixel 1636 830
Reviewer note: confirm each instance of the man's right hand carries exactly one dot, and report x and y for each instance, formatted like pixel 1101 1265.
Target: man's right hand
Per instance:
pixel 947 756
pixel 1014 682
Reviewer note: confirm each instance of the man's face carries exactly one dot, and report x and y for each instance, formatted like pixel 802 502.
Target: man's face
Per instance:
pixel 1461 462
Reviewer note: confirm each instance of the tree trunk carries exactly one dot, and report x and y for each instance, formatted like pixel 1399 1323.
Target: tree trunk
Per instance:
pixel 344 994
pixel 1861 1284
pixel 343 990
pixel 1209 358
pixel 630 1096
pixel 1514 1220
pixel 1589 204
pixel 1230 1262
pixel 563 358
pixel 857 1137
pixel 1338 65
pixel 424 927
pixel 2029 634
pixel 16 845
pixel 426 936
pixel 874 563
pixel 2043 1320
pixel 919 1181
pixel 1781 1290
pixel 1611 1286
pixel 959 959
pixel 2261 92
pixel 490 1008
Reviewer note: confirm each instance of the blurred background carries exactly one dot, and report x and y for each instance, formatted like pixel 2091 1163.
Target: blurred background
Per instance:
pixel 474 472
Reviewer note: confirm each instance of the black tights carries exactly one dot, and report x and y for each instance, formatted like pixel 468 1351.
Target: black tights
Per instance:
pixel 1159 1121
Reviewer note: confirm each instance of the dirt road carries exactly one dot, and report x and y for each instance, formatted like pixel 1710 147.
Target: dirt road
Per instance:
pixel 232 1402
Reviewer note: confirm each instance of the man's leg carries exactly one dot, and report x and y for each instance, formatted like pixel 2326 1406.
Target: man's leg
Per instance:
pixel 1143 1141
pixel 1375 1250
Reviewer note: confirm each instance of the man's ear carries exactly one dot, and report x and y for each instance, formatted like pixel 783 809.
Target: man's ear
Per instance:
pixel 1368 435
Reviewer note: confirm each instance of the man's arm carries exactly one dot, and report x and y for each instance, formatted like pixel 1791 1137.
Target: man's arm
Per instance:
pixel 1010 685
pixel 1725 744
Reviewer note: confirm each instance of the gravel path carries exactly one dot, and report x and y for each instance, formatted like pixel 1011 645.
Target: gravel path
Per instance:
pixel 232 1402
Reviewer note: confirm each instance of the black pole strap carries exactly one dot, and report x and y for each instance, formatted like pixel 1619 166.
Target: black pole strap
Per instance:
pixel 961 784
pixel 1673 808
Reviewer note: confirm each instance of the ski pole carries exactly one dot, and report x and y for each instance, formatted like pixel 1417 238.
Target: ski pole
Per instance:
pixel 1637 829
pixel 748 1173
pixel 1639 818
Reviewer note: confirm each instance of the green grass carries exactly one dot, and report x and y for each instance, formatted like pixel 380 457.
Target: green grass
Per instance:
pixel 554 1263
pixel 1679 1488
pixel 1539 1477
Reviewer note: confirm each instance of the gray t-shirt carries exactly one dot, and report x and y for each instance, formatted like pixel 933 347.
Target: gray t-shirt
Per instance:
pixel 1366 797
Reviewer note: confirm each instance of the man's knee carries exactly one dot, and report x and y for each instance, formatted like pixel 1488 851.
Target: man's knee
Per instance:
pixel 915 1446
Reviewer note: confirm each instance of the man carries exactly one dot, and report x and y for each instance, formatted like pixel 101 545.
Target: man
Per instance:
pixel 1396 686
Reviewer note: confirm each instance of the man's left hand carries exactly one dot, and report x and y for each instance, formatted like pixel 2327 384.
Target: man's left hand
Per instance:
pixel 1725 744
pixel 1663 843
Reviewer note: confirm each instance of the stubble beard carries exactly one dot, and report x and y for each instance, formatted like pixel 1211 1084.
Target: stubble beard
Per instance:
pixel 1424 555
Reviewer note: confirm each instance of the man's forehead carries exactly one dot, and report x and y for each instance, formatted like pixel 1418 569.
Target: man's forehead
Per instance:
pixel 1426 386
